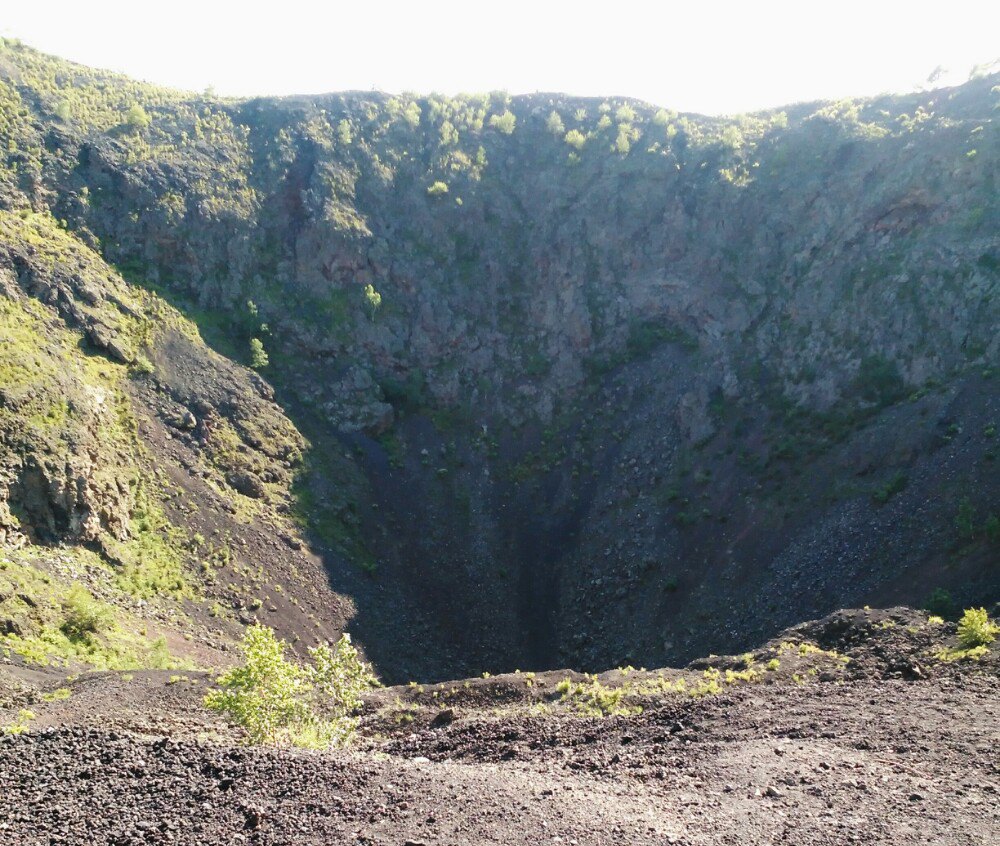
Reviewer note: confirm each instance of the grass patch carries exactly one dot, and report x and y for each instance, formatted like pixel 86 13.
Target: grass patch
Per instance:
pixel 57 621
pixel 151 562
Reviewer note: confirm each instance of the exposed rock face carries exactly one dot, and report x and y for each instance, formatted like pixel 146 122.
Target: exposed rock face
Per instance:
pixel 617 384
pixel 161 466
pixel 64 465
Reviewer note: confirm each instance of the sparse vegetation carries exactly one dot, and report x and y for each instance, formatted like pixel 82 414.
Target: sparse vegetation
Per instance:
pixel 976 629
pixel 893 486
pixel 594 699
pixel 58 695
pixel 280 702
pixel 311 212
pixel 21 724
pixel 64 623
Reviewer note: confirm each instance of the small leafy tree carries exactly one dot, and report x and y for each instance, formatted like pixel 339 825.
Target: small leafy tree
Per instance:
pixel 505 122
pixel 136 117
pixel 266 694
pixel 344 134
pixel 339 677
pixel 258 355
pixel 965 519
pixel 449 134
pixel 554 124
pixel 575 139
pixel 663 117
pixel 412 114
pixel 374 299
pixel 976 629
pixel 84 615
pixel 625 114
pixel 278 701
pixel 438 189
pixel 626 135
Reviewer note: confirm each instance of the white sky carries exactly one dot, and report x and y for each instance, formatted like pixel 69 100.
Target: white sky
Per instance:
pixel 711 57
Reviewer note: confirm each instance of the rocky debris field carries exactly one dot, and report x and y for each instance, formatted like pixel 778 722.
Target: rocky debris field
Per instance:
pixel 880 754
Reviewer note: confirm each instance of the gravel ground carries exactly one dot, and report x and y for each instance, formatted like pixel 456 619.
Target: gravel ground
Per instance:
pixel 871 758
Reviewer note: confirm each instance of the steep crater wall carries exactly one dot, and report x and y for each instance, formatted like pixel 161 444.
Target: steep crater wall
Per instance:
pixel 585 382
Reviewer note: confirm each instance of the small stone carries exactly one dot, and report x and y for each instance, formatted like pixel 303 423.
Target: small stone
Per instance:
pixel 443 718
pixel 246 484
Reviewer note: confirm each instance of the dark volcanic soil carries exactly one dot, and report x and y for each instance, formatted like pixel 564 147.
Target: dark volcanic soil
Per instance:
pixel 869 762
pixel 872 757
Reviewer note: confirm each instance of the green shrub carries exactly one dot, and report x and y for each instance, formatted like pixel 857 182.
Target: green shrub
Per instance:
pixel 373 298
pixel 965 519
pixel 879 380
pixel 409 394
pixel 438 189
pixel 344 134
pixel 57 695
pixel 339 677
pixel 449 134
pixel 625 114
pixel 976 629
pixel 623 143
pixel 278 701
pixel 411 114
pixel 991 528
pixel 554 124
pixel 940 604
pixel 884 493
pixel 136 117
pixel 267 693
pixel 504 123
pixel 258 355
pixel 575 139
pixel 21 724
pixel 84 616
